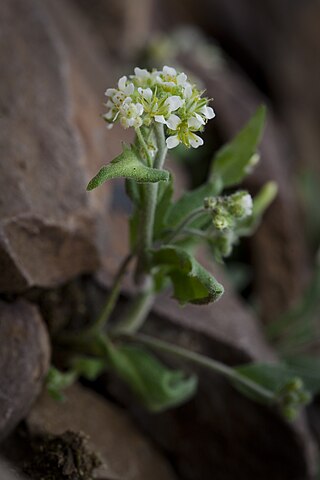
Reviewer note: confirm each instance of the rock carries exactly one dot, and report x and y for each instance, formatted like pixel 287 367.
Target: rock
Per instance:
pixel 126 453
pixel 53 140
pixel 24 361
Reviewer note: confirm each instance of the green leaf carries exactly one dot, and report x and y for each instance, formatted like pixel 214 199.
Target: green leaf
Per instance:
pixel 308 369
pixel 234 160
pixel 274 376
pixel 157 387
pixel 87 367
pixel 57 381
pixel 188 202
pixel 128 165
pixel 192 283
pixel 270 376
pixel 165 192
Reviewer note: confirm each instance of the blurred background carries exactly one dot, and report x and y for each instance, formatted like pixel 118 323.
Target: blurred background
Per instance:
pixel 57 59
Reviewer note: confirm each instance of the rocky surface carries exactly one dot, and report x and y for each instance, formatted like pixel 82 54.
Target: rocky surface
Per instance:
pixel 48 223
pixel 125 452
pixel 24 360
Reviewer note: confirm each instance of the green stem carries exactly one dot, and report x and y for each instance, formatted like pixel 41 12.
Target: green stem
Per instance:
pixel 136 314
pixel 206 362
pixel 196 213
pixel 113 296
pixel 161 145
pixel 144 146
pixel 147 213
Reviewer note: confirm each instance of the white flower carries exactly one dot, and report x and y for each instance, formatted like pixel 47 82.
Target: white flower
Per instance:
pixel 130 114
pixel 141 73
pixel 173 122
pixel 195 140
pixel 196 121
pixel 246 204
pixel 207 112
pixel 174 102
pixel 162 96
pixel 146 93
pixel 172 141
pixel 169 71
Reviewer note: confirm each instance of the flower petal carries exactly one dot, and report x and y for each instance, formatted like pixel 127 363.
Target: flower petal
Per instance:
pixel 195 141
pixel 182 79
pixel 174 102
pixel 129 89
pixel 141 72
pixel 169 71
pixel 110 91
pixel 160 119
pixel 208 112
pixel 173 122
pixel 195 122
pixel 122 83
pixel 172 141
pixel 146 93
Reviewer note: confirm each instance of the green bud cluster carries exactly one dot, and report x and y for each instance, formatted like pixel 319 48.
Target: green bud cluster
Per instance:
pixel 225 211
pixel 292 397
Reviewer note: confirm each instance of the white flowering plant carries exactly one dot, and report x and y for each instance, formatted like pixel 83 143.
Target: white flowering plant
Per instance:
pixel 165 109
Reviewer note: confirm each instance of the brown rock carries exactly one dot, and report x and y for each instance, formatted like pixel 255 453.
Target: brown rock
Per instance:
pixel 24 361
pixel 125 452
pixel 48 223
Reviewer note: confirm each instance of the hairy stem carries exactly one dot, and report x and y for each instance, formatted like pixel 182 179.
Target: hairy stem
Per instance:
pixel 206 362
pixel 147 213
pixel 144 146
pixel 136 314
pixel 113 296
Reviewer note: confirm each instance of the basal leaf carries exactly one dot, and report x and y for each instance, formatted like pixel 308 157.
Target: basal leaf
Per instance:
pixel 192 283
pixel 233 161
pixel 128 165
pixel 157 387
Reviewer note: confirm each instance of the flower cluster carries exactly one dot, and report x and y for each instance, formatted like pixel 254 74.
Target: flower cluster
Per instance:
pixel 225 211
pixel 165 97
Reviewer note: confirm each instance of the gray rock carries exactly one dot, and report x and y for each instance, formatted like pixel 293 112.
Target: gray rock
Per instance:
pixel 24 360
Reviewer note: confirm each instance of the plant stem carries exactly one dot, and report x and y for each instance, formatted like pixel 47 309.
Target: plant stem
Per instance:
pixel 113 296
pixel 144 146
pixel 206 362
pixel 161 145
pixel 199 211
pixel 147 213
pixel 136 314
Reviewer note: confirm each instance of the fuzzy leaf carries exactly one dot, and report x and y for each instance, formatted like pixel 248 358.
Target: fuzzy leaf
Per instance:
pixel 233 161
pixel 157 387
pixel 192 283
pixel 128 165
pixel 188 202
